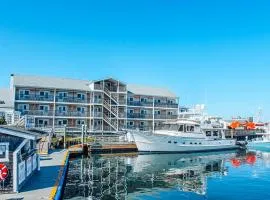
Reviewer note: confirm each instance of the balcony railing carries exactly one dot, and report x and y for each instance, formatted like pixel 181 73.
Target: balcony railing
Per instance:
pixel 71 114
pixel 166 105
pixel 166 116
pixel 97 101
pixel 33 97
pixel 121 115
pixel 37 112
pixel 57 113
pixel 139 116
pixel 122 89
pixel 139 103
pixel 141 128
pixel 122 102
pixel 70 99
pixel 96 114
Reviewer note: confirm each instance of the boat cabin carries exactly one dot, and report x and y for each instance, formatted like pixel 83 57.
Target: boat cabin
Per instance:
pixel 184 126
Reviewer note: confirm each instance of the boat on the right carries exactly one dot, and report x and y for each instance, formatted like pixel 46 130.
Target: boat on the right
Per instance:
pixel 251 129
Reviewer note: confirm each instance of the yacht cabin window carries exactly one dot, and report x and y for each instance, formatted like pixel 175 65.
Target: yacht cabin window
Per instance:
pixel 190 128
pixel 181 128
pixel 215 133
pixel 208 133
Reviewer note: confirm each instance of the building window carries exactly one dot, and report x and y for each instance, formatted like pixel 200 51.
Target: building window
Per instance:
pixel 131 99
pixel 43 107
pixel 43 122
pixel 131 111
pixel 62 95
pixel 4 152
pixel 131 123
pixel 23 107
pixel 24 93
pixel 142 123
pixel 170 113
pixel 62 122
pixel 80 122
pixel 143 112
pixel 43 93
pixel 143 100
pixel 157 112
pixel 80 96
pixel 80 109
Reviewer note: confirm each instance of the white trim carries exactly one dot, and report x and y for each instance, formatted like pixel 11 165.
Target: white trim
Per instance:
pixel 15 165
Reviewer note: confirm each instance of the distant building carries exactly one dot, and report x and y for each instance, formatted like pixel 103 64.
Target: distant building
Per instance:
pixel 18 158
pixel 7 107
pixel 105 105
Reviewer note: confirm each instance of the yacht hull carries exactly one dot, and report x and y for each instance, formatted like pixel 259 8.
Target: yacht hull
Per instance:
pixel 162 143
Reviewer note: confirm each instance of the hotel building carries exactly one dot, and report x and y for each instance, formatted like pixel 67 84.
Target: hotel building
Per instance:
pixel 106 105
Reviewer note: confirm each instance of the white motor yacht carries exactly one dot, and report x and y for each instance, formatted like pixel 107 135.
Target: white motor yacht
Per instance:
pixel 183 135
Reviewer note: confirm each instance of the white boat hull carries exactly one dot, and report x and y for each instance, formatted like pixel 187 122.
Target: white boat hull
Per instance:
pixel 162 143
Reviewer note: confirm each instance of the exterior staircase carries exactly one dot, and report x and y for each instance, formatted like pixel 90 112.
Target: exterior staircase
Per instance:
pixel 110 122
pixel 26 121
pixel 112 109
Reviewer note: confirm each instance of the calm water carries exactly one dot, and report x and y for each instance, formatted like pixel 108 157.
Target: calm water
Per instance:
pixel 218 176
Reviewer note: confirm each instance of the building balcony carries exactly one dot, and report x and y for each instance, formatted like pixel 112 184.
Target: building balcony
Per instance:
pixel 57 113
pixel 71 114
pixel 122 102
pixel 96 114
pixel 37 112
pixel 141 128
pixel 139 103
pixel 122 89
pixel 139 116
pixel 70 100
pixel 122 115
pixel 96 101
pixel 166 105
pixel 34 97
pixel 166 116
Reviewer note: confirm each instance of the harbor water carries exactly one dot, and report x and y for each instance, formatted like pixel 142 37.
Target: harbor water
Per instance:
pixel 230 175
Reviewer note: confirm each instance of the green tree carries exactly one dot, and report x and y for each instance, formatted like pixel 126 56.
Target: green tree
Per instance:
pixel 3 121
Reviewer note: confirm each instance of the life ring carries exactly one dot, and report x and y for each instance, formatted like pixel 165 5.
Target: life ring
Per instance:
pixel 3 172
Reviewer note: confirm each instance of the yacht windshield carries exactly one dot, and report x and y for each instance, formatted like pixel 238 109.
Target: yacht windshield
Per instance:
pixel 170 127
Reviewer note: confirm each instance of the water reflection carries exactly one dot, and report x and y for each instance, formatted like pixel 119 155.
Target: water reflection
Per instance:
pixel 131 176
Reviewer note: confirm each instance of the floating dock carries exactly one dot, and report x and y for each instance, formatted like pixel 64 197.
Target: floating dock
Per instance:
pixel 112 148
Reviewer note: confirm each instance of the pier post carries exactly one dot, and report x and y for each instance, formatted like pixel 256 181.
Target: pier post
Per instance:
pixel 153 115
pixel 82 131
pixel 65 129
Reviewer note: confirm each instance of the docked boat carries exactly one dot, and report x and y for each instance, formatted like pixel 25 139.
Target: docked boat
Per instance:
pixel 182 135
pixel 263 141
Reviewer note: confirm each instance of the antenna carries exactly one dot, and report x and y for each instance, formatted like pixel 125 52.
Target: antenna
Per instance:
pixel 258 115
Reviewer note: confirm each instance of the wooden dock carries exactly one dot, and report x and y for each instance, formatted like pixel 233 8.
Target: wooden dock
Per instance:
pixel 112 148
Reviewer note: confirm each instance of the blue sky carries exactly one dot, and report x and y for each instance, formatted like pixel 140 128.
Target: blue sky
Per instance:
pixel 213 52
